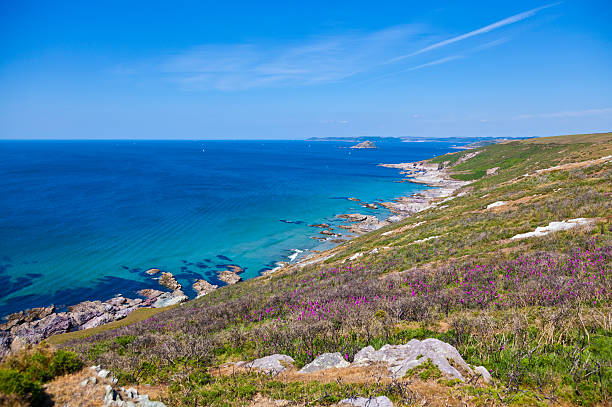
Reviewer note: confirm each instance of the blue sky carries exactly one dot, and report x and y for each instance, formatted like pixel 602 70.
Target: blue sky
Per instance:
pixel 292 70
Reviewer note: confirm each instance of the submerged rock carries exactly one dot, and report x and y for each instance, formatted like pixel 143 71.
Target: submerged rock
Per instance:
pixel 325 361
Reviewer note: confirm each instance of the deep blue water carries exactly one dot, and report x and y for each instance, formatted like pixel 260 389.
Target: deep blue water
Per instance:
pixel 83 219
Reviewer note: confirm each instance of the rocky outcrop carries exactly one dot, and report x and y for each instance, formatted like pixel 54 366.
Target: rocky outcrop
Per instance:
pixel 35 325
pixel 168 281
pixel 117 396
pixel 203 287
pixel 152 272
pixel 325 361
pixel 168 299
pixel 88 310
pixel 273 364
pixel 29 316
pixel 365 144
pixel 229 277
pixel 361 223
pixel 402 358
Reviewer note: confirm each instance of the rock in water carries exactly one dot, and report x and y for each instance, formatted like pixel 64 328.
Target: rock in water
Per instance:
pixel 325 361
pixel 168 281
pixel 229 277
pixel 152 271
pixel 365 144
pixel 203 287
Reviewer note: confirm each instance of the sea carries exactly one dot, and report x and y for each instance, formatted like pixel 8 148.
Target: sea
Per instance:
pixel 83 220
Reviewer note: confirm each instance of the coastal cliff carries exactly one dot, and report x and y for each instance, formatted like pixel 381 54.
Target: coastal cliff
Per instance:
pixel 492 287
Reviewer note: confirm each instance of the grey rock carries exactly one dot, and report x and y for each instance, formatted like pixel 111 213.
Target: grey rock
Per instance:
pixel 130 404
pixel 38 313
pixel 150 293
pixel 325 361
pixel 87 310
pixel 5 343
pixel 114 380
pixel 84 382
pixel 167 299
pixel 401 358
pixel 145 402
pixel 132 393
pixel 97 321
pixel 380 401
pixel 484 373
pixel 117 301
pixel 122 313
pixel 95 367
pixel 103 373
pixel 112 397
pixel 272 364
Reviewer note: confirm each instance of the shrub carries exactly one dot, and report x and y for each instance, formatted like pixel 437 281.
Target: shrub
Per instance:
pixel 65 362
pixel 13 382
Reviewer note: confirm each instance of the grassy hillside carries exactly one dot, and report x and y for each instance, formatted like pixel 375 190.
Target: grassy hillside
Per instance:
pixel 535 312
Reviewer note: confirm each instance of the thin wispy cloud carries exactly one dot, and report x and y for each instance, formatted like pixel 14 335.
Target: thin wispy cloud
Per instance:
pixel 567 114
pixel 483 30
pixel 320 60
pixel 432 63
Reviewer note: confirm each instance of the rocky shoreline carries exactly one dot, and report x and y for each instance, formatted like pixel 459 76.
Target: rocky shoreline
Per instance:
pixel 35 325
pixel 32 326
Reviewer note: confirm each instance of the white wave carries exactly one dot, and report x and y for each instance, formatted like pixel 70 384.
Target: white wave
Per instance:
pixel 296 253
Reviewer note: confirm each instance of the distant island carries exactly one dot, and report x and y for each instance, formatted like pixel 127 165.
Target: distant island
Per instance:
pixel 365 144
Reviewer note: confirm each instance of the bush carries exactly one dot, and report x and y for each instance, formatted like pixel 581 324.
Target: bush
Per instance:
pixel 18 383
pixel 65 362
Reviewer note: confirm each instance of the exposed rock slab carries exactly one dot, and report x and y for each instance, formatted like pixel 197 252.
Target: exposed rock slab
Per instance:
pixel 402 358
pixel 325 361
pixel 273 364
pixel 380 401
pixel 554 227
pixel 167 299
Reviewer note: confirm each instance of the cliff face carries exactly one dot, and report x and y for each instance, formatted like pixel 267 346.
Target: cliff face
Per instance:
pixel 446 307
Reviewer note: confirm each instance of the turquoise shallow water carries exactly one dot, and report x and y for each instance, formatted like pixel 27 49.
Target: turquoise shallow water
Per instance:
pixel 84 219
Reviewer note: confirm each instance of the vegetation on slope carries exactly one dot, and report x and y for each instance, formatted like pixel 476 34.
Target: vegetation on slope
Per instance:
pixel 535 312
